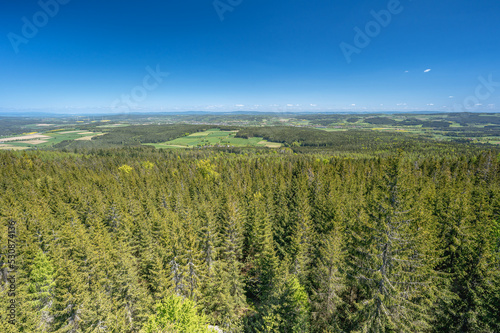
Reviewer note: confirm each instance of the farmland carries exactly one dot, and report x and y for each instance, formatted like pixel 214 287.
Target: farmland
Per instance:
pixel 215 138
pixel 215 130
pixel 44 140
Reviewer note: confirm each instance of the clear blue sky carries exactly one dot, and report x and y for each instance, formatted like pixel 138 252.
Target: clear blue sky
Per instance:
pixel 265 55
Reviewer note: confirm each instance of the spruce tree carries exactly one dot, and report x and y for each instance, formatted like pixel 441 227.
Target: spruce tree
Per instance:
pixel 387 257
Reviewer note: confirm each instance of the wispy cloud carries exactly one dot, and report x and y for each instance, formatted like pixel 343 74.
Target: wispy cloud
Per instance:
pixel 427 70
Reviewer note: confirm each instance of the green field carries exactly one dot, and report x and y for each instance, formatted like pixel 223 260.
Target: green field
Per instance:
pixel 215 138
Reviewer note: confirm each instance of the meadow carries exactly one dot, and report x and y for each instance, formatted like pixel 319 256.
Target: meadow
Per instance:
pixel 215 138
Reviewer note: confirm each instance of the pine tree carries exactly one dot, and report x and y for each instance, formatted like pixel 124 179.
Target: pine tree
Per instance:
pixel 329 284
pixel 465 215
pixel 387 256
pixel 41 289
pixel 300 227
pixel 230 260
pixel 176 314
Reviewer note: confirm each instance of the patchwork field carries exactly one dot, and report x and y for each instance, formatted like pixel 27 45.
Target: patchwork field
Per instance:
pixel 47 139
pixel 24 137
pixel 215 138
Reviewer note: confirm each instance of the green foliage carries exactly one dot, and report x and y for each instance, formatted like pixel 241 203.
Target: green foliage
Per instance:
pixel 175 314
pixel 255 240
pixel 41 288
pixel 126 168
pixel 148 165
pixel 286 308
pixel 207 169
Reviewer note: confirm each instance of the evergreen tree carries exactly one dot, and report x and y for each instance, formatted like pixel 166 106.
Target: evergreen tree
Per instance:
pixel 41 288
pixel 387 256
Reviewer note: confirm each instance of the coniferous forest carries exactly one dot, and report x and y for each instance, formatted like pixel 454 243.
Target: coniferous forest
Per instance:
pixel 144 240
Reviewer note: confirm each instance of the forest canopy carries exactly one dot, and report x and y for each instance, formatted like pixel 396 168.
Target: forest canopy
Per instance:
pixel 128 240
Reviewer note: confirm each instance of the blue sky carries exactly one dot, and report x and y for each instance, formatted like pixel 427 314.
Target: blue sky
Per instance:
pixel 263 55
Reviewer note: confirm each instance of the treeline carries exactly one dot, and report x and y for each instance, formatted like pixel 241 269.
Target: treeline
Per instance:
pixel 324 119
pixel 293 136
pixel 114 241
pixel 10 126
pixel 438 120
pixel 355 141
pixel 465 118
pixel 409 121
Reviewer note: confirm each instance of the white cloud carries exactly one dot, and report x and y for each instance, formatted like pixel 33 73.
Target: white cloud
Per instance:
pixel 427 70
pixel 406 71
pixel 313 104
pixel 239 105
pixel 451 97
pixel 289 105
pixel 431 104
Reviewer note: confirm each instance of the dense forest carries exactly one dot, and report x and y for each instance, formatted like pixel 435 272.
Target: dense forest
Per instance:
pixel 144 240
